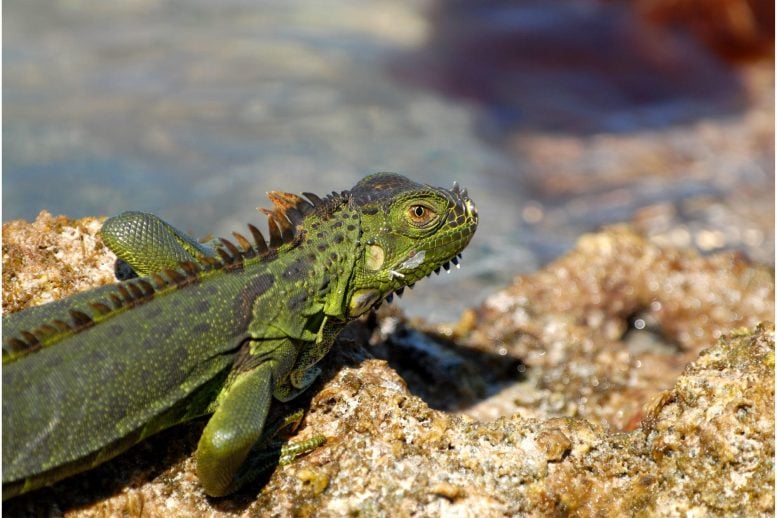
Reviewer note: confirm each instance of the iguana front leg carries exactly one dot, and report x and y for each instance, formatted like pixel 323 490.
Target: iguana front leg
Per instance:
pixel 305 372
pixel 234 429
pixel 235 444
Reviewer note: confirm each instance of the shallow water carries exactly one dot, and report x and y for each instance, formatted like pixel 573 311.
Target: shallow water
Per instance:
pixel 194 111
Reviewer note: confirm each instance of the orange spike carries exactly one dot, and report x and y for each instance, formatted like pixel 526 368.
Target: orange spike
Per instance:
pixel 47 330
pixel 295 216
pixel 80 319
pixel 137 293
pixel 125 294
pixel 62 325
pixel 175 276
pixel 191 268
pixel 287 231
pixel 17 345
pixel 116 300
pixel 259 242
pixel 233 250
pixel 244 244
pixel 32 340
pixel 225 257
pixel 314 199
pixel 147 287
pixel 211 262
pixel 276 238
pixel 100 308
pixel 284 200
pixel 158 280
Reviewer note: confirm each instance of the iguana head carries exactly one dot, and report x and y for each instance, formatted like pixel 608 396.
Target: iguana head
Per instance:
pixel 409 230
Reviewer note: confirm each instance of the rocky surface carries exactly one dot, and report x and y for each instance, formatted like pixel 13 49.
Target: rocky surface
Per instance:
pixel 603 328
pixel 624 378
pixel 51 258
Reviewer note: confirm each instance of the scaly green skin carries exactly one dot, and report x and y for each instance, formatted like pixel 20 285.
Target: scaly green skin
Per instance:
pixel 212 330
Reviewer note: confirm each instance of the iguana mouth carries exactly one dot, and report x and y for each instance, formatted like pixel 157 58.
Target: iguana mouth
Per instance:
pixel 455 261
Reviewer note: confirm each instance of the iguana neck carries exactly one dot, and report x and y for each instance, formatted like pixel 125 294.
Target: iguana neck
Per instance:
pixel 313 276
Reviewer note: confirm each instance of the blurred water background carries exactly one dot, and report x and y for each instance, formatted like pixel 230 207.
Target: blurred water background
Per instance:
pixel 559 116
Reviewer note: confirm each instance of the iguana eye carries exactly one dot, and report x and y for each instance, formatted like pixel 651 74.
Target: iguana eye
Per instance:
pixel 420 214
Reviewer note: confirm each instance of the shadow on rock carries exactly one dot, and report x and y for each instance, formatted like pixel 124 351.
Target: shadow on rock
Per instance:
pixel 445 374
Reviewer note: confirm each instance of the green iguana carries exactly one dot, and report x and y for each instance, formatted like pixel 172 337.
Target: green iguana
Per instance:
pixel 219 330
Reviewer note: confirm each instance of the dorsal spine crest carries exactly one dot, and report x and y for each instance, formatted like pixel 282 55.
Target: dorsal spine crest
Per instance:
pixel 286 227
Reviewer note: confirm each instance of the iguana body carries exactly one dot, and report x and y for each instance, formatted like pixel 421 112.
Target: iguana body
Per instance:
pixel 219 331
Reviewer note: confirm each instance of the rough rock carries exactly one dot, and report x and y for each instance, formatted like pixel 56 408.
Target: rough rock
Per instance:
pixel 51 258
pixel 605 327
pixel 624 378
